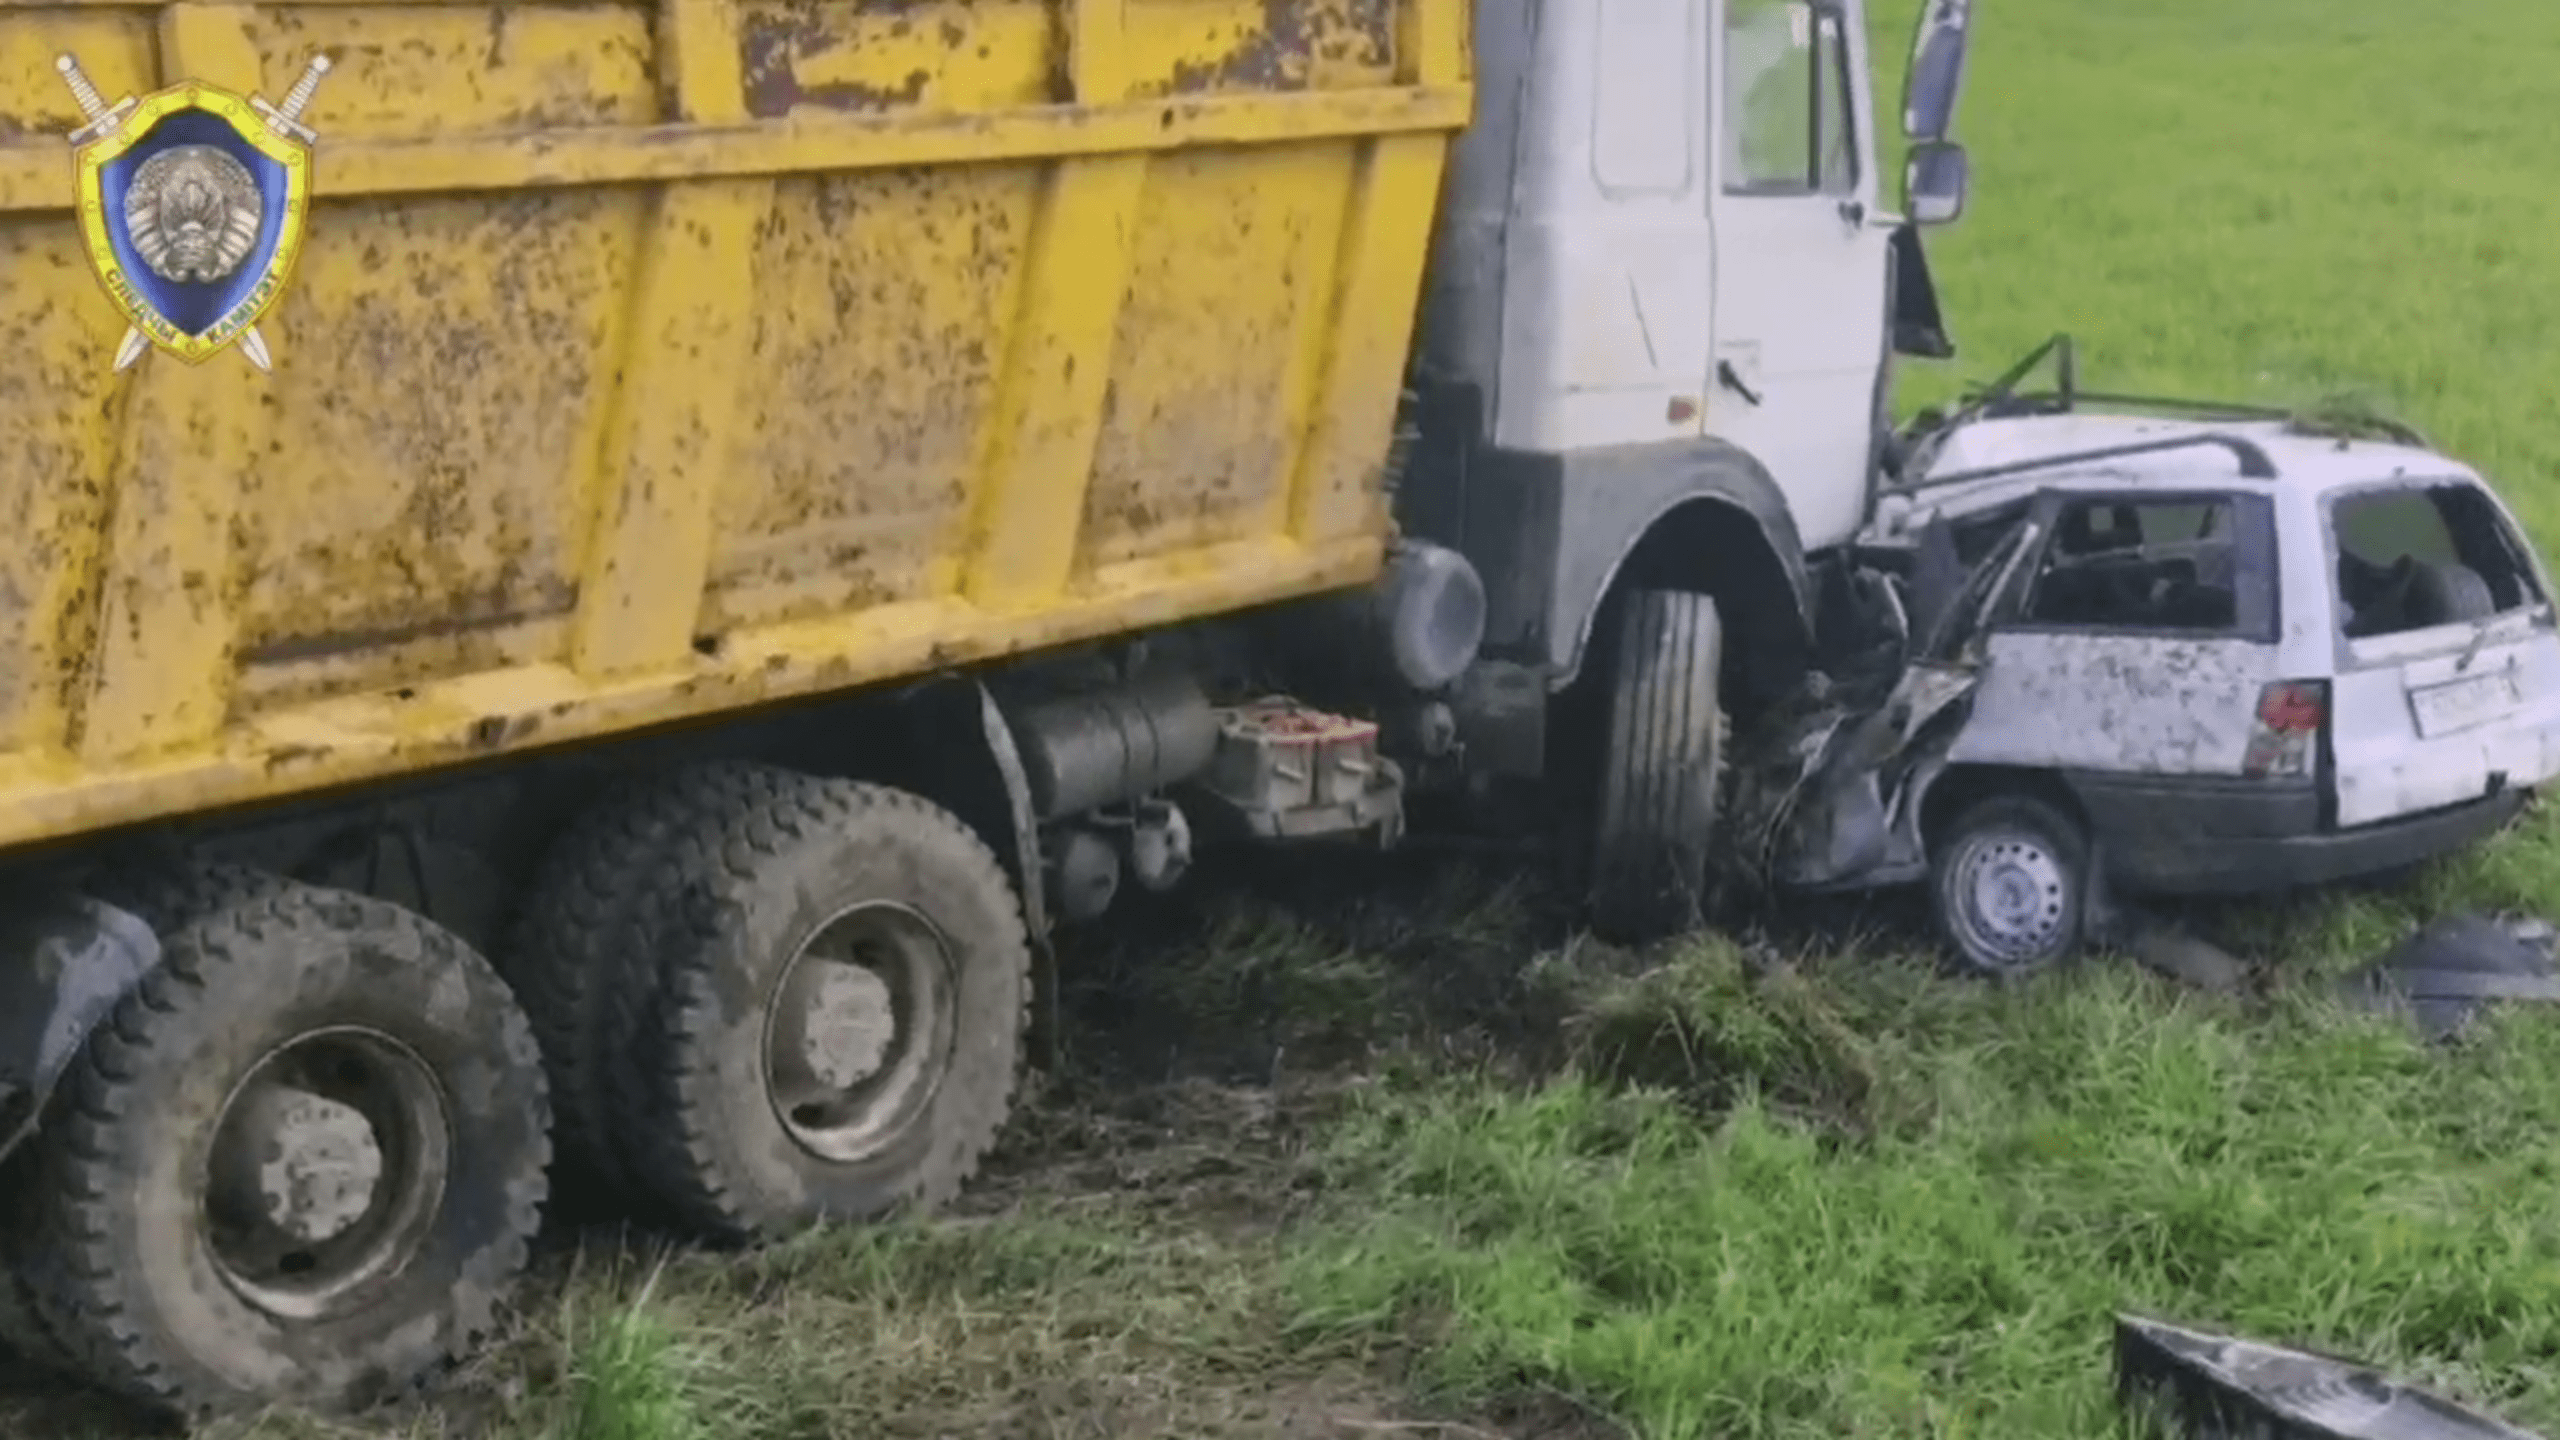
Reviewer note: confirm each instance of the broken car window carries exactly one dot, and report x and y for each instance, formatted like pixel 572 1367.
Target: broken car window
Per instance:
pixel 2122 564
pixel 2416 557
pixel 1787 122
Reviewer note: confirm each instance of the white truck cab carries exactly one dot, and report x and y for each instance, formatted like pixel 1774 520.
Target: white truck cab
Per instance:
pixel 1651 382
pixel 1665 226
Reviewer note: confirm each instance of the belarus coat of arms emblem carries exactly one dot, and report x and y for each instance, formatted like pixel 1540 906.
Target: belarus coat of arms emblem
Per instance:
pixel 191 205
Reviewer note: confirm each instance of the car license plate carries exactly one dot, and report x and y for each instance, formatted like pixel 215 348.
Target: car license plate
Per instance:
pixel 2443 709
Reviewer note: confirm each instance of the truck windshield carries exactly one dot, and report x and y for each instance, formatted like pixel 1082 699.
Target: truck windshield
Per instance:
pixel 2413 557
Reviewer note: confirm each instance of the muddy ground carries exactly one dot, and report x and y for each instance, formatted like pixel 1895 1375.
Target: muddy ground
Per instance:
pixel 1209 1036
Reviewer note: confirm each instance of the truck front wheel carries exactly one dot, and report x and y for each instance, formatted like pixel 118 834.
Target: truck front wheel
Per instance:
pixel 841 1023
pixel 301 1162
pixel 1661 767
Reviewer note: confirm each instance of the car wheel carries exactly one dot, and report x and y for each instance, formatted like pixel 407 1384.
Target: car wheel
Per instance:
pixel 2011 882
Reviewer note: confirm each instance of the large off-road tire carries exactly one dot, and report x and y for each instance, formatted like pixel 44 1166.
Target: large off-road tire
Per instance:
pixel 847 980
pixel 2010 880
pixel 577 955
pixel 23 1331
pixel 170 894
pixel 1661 768
pixel 300 1163
pixel 167 893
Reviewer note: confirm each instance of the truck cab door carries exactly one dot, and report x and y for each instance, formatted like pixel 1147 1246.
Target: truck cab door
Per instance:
pixel 1801 255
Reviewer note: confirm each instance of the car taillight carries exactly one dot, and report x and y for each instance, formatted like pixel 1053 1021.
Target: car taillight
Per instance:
pixel 2285 741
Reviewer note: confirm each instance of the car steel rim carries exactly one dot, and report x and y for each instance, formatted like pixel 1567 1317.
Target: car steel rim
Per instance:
pixel 327 1172
pixel 860 1031
pixel 2012 897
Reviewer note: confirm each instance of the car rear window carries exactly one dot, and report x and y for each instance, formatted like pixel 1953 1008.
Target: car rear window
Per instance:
pixel 2418 556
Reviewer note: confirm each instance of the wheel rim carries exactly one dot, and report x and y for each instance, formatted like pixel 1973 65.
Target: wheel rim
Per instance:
pixel 328 1169
pixel 860 1031
pixel 2010 898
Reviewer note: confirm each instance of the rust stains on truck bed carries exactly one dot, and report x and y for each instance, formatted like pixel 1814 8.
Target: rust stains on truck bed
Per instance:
pixel 878 56
pixel 1285 46
pixel 789 406
pixel 774 40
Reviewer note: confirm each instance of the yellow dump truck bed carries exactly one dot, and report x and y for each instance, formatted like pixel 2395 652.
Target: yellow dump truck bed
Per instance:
pixel 650 362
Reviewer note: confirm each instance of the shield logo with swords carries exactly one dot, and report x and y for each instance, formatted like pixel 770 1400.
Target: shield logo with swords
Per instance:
pixel 191 204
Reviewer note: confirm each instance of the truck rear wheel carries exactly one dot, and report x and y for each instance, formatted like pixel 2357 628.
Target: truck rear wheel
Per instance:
pixel 23 1332
pixel 300 1163
pixel 167 894
pixel 576 956
pixel 845 994
pixel 1661 767
pixel 171 894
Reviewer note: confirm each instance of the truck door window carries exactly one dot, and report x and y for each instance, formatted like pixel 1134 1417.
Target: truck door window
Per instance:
pixel 1787 120
pixel 2185 566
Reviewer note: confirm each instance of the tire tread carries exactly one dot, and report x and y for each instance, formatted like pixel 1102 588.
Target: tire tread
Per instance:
pixel 78 1177
pixel 747 821
pixel 1649 869
pixel 580 967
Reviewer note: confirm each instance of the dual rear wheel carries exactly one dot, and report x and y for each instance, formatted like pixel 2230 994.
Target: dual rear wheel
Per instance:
pixel 304 1160
pixel 797 999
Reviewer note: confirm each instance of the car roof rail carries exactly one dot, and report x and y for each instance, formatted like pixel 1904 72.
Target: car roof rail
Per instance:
pixel 2339 424
pixel 2254 462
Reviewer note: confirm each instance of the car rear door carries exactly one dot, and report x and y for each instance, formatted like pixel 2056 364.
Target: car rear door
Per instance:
pixel 2448 683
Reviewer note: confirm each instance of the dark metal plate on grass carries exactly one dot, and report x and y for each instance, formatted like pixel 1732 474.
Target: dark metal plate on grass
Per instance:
pixel 2443 971
pixel 2219 1387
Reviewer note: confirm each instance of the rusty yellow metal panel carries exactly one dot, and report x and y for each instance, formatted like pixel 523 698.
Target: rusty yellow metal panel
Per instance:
pixel 651 361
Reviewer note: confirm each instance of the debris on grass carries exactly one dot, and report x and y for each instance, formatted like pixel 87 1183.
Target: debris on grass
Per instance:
pixel 2203 1386
pixel 2441 975
pixel 2184 956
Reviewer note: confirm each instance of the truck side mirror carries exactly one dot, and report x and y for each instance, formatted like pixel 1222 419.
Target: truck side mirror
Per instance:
pixel 1934 181
pixel 1936 78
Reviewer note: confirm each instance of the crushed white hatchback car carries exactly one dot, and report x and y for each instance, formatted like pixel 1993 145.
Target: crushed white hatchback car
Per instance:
pixel 2162 655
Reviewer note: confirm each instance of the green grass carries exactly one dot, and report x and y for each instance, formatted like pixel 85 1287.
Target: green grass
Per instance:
pixel 1920 1208
pixel 2279 200
pixel 1342 1156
